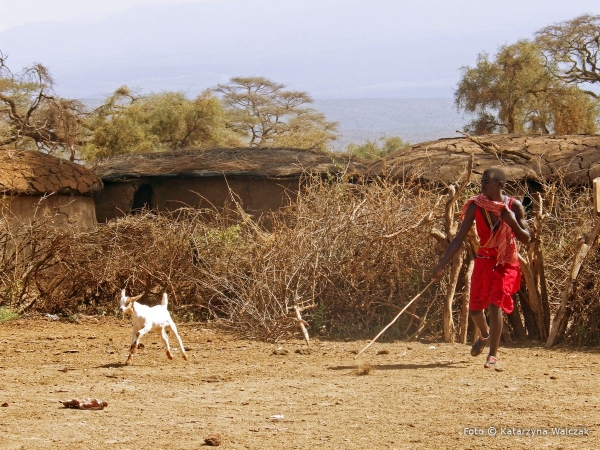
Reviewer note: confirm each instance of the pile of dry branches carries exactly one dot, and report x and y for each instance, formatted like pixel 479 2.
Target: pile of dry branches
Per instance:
pixel 352 253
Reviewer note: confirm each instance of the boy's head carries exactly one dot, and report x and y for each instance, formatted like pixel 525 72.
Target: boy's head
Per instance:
pixel 496 173
pixel 492 182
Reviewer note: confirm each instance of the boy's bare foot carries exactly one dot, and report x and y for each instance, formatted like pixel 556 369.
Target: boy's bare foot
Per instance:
pixel 479 345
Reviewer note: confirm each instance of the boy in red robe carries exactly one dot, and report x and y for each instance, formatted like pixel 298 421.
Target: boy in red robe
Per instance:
pixel 500 222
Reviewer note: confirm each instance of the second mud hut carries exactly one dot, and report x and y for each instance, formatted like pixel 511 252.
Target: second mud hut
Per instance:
pixel 260 180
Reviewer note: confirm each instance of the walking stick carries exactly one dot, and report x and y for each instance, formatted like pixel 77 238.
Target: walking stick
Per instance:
pixel 395 318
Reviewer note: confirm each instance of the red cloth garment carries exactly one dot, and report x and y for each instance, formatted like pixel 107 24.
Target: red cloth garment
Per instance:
pixel 503 237
pixel 494 281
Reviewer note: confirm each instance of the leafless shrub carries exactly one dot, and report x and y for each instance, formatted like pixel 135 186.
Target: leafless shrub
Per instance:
pixel 328 249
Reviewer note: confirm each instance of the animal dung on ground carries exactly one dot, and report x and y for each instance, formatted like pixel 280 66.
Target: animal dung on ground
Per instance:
pixel 214 440
pixel 87 403
pixel 280 351
pixel 383 352
pixel 303 351
pixel 363 369
pixel 4 405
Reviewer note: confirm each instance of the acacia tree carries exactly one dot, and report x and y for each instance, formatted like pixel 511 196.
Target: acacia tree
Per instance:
pixel 375 150
pixel 271 116
pixel 516 92
pixel 128 122
pixel 573 48
pixel 31 115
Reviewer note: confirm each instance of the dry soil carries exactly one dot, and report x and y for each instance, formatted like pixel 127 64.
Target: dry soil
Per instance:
pixel 286 396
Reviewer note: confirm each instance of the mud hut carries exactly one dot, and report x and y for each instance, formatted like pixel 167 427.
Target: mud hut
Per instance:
pixel 527 160
pixel 33 183
pixel 261 180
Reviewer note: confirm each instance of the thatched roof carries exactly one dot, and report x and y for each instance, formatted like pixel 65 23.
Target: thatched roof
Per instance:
pixel 249 162
pixel 36 173
pixel 574 158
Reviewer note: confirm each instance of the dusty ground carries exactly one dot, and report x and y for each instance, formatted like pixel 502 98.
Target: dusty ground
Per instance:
pixel 416 396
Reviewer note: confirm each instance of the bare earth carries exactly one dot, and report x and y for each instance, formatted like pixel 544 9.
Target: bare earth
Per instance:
pixel 417 395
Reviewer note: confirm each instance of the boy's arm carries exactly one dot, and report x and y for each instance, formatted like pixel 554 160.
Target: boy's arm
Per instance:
pixel 515 218
pixel 456 243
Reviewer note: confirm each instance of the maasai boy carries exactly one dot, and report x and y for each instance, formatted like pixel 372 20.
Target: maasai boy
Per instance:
pixel 500 220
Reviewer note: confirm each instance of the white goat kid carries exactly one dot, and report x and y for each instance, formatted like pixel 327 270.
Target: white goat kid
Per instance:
pixel 145 319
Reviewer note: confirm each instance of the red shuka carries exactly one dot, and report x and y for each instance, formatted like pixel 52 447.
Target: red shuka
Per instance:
pixel 492 282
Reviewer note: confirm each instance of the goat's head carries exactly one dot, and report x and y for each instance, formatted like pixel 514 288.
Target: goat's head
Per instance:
pixel 126 303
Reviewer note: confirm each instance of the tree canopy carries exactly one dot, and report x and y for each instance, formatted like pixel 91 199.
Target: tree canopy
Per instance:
pixel 377 149
pixel 573 46
pixel 32 116
pixel 130 123
pixel 516 92
pixel 271 116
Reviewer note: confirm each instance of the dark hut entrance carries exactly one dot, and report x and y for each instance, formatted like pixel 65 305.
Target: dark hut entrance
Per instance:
pixel 142 199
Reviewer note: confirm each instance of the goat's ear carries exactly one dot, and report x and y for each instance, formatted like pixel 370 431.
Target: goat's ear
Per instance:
pixel 123 293
pixel 136 298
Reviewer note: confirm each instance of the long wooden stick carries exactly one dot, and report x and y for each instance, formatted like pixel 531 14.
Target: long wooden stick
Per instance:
pixel 396 318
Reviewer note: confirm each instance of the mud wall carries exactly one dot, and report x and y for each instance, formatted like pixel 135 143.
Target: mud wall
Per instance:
pixel 256 195
pixel 77 209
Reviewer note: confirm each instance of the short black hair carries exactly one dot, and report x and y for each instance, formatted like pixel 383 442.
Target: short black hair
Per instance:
pixel 496 173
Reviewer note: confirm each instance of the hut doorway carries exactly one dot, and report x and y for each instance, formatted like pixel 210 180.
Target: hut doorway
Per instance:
pixel 142 199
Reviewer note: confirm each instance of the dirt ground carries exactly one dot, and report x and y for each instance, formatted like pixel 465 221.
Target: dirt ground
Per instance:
pixel 417 395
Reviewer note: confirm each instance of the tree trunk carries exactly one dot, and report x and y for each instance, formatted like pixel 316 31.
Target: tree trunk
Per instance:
pixel 510 122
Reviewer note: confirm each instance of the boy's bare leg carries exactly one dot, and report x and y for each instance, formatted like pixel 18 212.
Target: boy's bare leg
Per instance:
pixel 496 321
pixel 479 319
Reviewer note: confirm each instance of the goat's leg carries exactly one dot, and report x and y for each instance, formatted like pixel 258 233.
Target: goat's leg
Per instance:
pixel 132 347
pixel 174 328
pixel 135 342
pixel 165 339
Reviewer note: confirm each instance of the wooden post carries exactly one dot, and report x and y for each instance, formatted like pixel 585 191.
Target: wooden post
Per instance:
pixel 464 309
pixel 301 322
pixel 596 184
pixel 451 226
pixel 449 328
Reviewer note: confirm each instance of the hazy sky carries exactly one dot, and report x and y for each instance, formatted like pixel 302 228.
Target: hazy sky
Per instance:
pixel 20 12
pixel 330 48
